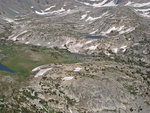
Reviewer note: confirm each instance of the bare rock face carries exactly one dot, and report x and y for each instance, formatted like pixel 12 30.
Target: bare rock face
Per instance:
pixel 115 1
pixel 95 86
pixel 86 30
pixel 112 35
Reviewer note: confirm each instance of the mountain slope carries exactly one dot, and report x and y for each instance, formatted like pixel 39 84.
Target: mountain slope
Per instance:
pixel 93 56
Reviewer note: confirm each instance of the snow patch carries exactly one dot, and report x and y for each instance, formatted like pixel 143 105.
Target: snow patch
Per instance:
pixel 113 29
pixel 32 7
pixel 121 30
pixel 47 9
pixel 124 48
pixel 142 10
pixel 67 78
pixel 93 47
pixel 104 3
pixel 27 42
pixel 115 50
pixel 83 16
pixel 88 42
pixel 77 69
pixel 94 32
pixel 68 41
pixel 38 68
pixel 42 72
pixel 95 18
pixel 111 3
pixel 58 11
pixel 133 4
pixel 8 19
pixel 42 13
pixel 38 44
pixel 107 53
pixel 14 38
pixel 147 14
pixel 127 30
pixel 128 3
pixel 70 111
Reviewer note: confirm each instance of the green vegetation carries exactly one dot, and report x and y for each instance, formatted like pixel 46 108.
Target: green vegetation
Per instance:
pixel 57 86
pixel 53 111
pixel 70 101
pixel 23 58
pixel 7 30
pixel 130 89
pixel 28 94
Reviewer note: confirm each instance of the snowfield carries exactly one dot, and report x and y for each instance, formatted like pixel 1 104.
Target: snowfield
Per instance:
pixel 37 68
pixel 93 47
pixel 42 72
pixel 91 19
pixel 9 20
pixel 124 48
pixel 113 29
pixel 120 29
pixel 77 69
pixel 133 4
pixel 83 16
pixel 14 38
pixel 104 3
pixel 115 50
pixel 42 13
pixel 94 32
pixel 67 78
pixel 47 9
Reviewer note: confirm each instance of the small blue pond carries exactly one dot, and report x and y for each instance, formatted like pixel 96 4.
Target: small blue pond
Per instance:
pixel 76 55
pixel 79 55
pixel 4 68
pixel 68 23
pixel 94 37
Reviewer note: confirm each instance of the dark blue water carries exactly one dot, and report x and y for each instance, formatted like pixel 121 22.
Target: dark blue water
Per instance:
pixel 94 37
pixel 4 68
pixel 68 23
pixel 76 55
pixel 79 55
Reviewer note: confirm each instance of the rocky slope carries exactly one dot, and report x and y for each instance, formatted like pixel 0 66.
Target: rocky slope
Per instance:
pixel 93 86
pixel 113 35
pixel 87 30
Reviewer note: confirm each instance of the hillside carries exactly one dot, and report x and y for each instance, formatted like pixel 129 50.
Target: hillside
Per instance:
pixel 75 56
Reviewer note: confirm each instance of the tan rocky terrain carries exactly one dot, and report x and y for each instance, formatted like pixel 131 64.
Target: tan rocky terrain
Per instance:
pixel 87 30
pixel 75 56
pixel 94 86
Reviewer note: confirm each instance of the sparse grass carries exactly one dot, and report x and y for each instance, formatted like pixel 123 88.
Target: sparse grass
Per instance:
pixel 130 89
pixel 23 58
pixel 120 79
pixel 57 86
pixel 28 94
pixel 70 101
